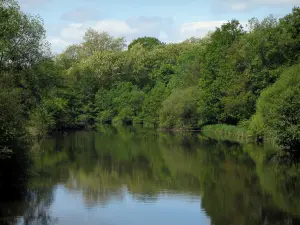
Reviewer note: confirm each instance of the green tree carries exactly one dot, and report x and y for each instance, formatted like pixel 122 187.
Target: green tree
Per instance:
pixel 23 52
pixel 146 42
pixel 291 25
pixel 72 55
pixel 22 39
pixel 215 71
pixel 152 104
pixel 179 110
pixel 12 125
pixel 122 103
pixel 279 108
pixel 95 41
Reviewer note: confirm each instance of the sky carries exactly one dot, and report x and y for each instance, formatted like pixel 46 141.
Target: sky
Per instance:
pixel 66 21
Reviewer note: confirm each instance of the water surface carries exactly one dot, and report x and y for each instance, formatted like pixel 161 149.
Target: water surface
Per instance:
pixel 137 176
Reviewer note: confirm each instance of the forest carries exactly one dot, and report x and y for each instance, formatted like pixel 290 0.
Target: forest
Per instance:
pixel 246 77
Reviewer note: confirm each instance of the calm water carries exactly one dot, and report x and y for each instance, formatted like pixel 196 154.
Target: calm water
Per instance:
pixel 126 176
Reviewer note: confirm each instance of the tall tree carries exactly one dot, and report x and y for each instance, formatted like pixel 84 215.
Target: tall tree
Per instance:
pixel 95 41
pixel 146 42
pixel 22 48
pixel 22 38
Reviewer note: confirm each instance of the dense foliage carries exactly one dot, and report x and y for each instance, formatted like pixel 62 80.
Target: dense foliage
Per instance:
pixel 23 51
pixel 278 107
pixel 213 80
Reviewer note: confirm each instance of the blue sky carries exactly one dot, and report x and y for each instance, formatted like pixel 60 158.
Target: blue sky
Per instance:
pixel 169 20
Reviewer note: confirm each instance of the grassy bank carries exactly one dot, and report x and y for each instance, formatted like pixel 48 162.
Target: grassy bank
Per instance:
pixel 227 132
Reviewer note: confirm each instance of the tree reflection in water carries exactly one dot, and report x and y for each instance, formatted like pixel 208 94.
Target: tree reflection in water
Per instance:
pixel 236 182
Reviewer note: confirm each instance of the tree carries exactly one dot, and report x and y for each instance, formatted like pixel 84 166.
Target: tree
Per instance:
pixel 22 50
pixel 73 54
pixel 254 62
pixel 179 110
pixel 95 41
pixel 22 38
pixel 291 25
pixel 215 72
pixel 152 104
pixel 122 103
pixel 12 130
pixel 279 109
pixel 146 42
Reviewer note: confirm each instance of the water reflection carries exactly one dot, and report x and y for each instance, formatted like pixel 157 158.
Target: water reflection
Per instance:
pixel 103 177
pixel 18 204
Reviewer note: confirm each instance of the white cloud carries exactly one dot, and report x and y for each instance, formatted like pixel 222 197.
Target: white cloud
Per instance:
pixel 58 44
pixel 115 27
pixel 130 29
pixel 163 36
pixel 163 29
pixel 243 5
pixel 152 26
pixel 198 29
pixel 73 32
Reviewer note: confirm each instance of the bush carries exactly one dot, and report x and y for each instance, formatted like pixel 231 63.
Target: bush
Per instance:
pixel 278 110
pixel 12 129
pixel 152 105
pixel 257 128
pixel 41 122
pixel 105 116
pixel 50 115
pixel 123 103
pixel 226 129
pixel 179 110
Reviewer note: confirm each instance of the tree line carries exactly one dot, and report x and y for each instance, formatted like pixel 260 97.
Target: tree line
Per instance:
pixel 247 77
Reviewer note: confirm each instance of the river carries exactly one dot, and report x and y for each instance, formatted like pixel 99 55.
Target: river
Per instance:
pixel 133 176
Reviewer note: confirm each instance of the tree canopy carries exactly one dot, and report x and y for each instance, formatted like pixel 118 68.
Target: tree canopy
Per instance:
pixel 230 76
pixel 146 42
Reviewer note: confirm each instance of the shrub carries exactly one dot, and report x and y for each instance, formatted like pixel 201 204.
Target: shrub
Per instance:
pixel 152 104
pixel 278 110
pixel 12 129
pixel 179 110
pixel 50 115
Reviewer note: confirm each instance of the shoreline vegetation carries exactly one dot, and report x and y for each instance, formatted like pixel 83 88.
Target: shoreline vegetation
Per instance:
pixel 233 81
pixel 228 131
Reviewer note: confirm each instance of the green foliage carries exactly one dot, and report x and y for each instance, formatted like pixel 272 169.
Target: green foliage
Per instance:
pixel 41 122
pixel 152 104
pixel 279 109
pixel 291 24
pixel 73 54
pixel 146 42
pixel 122 103
pixel 212 80
pixel 12 129
pixel 257 127
pixel 179 110
pixel 50 115
pixel 227 132
pixel 24 53
pixel 97 42
pixel 224 128
pixel 22 41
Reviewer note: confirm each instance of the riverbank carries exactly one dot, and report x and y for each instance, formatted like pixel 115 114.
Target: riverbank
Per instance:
pixel 228 132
